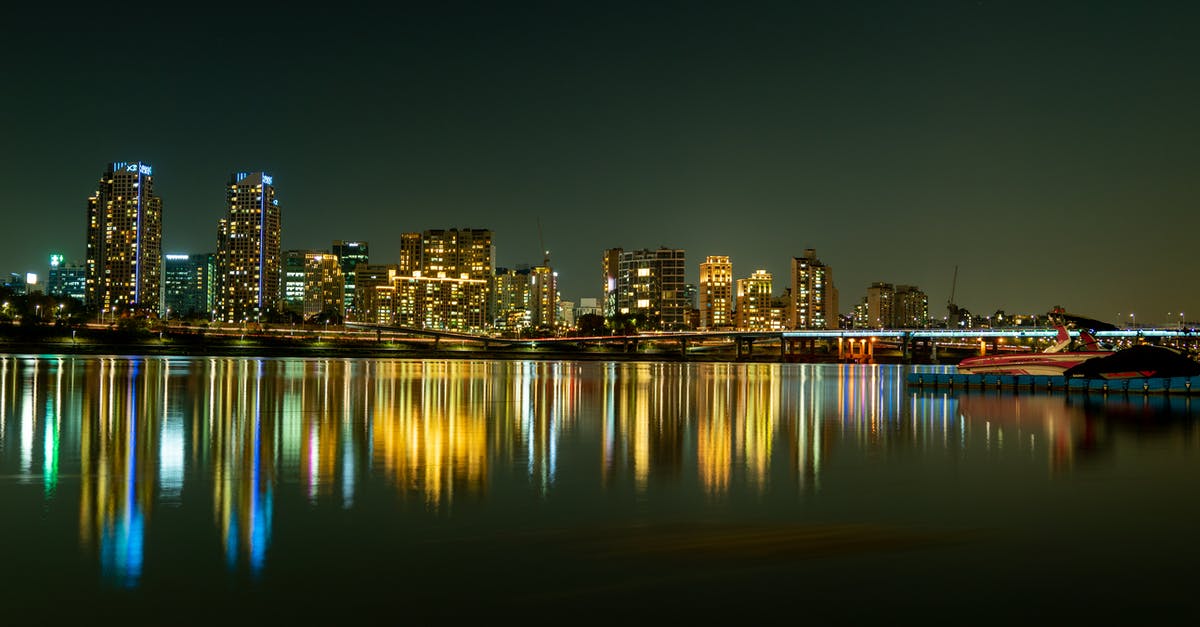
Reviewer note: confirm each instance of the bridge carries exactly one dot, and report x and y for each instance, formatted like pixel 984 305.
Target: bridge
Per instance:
pixel 855 343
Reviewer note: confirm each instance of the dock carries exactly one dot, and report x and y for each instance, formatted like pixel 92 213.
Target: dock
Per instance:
pixel 1044 383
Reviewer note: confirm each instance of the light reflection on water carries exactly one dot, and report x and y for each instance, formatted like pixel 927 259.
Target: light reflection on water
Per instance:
pixel 136 438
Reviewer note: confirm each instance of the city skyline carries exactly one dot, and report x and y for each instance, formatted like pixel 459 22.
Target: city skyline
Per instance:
pixel 1015 142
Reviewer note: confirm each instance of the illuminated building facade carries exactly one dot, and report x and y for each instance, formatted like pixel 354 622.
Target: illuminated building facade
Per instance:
pixel 66 280
pixel 543 298
pixel 324 285
pixel 910 308
pixel 441 303
pixel 754 302
pixel 650 286
pixel 295 274
pixel 367 278
pixel 188 285
pixel 880 300
pixel 453 254
pixel 814 298
pixel 124 240
pixel 716 293
pixel 249 266
pixel 510 299
pixel 612 269
pixel 349 255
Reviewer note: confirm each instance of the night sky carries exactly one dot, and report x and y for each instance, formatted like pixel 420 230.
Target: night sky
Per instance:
pixel 1049 150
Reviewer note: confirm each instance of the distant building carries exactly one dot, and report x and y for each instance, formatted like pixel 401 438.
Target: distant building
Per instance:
pixel 814 297
pixel 611 270
pixel 543 298
pixel 349 255
pixel 188 288
pixel 910 308
pixel 716 293
pixel 442 303
pixel 511 296
pixel 650 285
pixel 66 280
pixel 589 306
pixel 460 254
pixel 880 305
pixel 892 307
pixel 249 265
pixel 124 240
pixel 754 302
pixel 324 285
pixel 295 275
pixel 367 278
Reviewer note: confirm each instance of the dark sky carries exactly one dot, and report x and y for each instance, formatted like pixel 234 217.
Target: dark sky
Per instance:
pixel 1048 149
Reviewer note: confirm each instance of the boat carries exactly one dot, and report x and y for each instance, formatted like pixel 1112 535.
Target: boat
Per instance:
pixel 1085 358
pixel 1065 354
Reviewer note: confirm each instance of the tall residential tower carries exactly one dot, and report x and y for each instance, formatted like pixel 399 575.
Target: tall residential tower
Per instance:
pixel 249 271
pixel 124 240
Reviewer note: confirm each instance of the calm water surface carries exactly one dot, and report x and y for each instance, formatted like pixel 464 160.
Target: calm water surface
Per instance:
pixel 161 490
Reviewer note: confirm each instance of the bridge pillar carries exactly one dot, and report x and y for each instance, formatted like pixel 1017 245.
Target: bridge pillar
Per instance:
pixel 933 358
pixel 437 339
pixel 870 348
pixel 783 348
pixel 841 349
pixel 683 347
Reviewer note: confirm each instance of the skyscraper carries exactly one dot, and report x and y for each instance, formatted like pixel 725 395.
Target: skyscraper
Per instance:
pixel 716 292
pixel 349 255
pixel 249 270
pixel 814 298
pixel 124 240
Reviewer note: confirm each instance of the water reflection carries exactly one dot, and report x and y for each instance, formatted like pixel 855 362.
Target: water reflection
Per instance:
pixel 240 434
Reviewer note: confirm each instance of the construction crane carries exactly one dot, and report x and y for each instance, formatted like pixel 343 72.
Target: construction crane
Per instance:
pixel 952 309
pixel 542 243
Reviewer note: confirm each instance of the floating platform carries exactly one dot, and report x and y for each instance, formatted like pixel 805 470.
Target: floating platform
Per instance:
pixel 1046 383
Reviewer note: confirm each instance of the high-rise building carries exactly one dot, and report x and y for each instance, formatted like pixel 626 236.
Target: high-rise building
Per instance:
pixel 324 285
pixel 716 293
pixel 880 305
pixel 188 288
pixel 295 275
pixel 612 269
pixel 543 298
pixel 368 278
pixel 249 267
pixel 66 280
pixel 410 253
pixel 910 308
pixel 814 298
pixel 124 240
pixel 460 254
pixel 754 302
pixel 349 255
pixel 650 285
pixel 423 302
pixel 510 299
